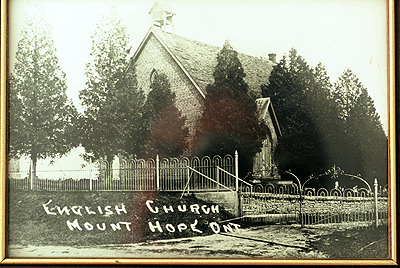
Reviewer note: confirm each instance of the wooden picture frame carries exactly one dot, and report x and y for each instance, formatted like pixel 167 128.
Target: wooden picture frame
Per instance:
pixel 392 128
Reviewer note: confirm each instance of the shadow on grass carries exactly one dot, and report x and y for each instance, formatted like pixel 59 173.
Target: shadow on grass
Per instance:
pixel 368 243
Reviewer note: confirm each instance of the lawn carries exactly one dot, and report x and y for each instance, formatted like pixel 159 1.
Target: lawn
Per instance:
pixel 79 219
pixel 96 218
pixel 368 242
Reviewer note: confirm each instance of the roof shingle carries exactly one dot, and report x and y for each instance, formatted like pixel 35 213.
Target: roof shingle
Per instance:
pixel 199 60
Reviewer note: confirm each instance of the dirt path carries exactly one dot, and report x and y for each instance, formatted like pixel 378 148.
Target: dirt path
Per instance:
pixel 272 241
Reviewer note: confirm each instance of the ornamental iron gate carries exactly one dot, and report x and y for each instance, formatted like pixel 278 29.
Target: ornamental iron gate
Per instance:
pixel 314 202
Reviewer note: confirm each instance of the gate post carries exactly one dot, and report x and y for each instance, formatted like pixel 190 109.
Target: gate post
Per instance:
pixel 376 202
pixel 158 172
pixel 240 204
pixel 237 170
pixel 300 193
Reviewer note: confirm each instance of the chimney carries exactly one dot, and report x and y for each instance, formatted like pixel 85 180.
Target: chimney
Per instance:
pixel 272 57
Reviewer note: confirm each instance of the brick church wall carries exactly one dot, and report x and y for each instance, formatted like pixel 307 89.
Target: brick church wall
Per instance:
pixel 188 99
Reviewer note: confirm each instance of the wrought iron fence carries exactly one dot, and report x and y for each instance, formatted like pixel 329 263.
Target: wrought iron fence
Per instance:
pixel 293 202
pixel 135 175
pixel 271 203
pixel 278 202
pixel 342 205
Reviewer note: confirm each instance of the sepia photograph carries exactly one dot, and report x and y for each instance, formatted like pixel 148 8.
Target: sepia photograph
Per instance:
pixel 199 130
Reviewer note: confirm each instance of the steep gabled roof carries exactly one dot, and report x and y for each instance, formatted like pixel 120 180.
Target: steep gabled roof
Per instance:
pixel 197 60
pixel 161 6
pixel 265 110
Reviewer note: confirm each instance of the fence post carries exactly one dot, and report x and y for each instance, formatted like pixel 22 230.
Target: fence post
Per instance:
pixel 237 170
pixel 188 175
pixel 31 173
pixel 158 172
pixel 90 175
pixel 217 178
pixel 376 202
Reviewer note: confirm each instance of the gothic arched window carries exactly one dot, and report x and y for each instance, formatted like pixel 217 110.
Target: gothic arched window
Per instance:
pixel 153 75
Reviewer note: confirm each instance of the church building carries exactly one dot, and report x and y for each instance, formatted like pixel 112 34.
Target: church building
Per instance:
pixel 189 66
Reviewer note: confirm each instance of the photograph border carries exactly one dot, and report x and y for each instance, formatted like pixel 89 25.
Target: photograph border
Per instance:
pixel 393 116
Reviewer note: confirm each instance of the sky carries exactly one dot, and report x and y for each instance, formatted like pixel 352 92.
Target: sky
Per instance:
pixel 339 33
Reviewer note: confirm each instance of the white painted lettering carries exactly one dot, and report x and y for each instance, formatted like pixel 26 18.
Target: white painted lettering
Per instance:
pixel 170 228
pixel 127 225
pixel 153 228
pixel 88 226
pixel 181 227
pixel 89 211
pixel 115 226
pixel 148 204
pixel 168 209
pixel 193 227
pixel 119 210
pixel 46 208
pixel 108 210
pixel 76 210
pixel 205 209
pixel 215 227
pixel 227 228
pixel 195 208
pixel 74 224
pixel 100 210
pixel 63 210
pixel 214 208
pixel 182 208
pixel 103 225
pixel 237 226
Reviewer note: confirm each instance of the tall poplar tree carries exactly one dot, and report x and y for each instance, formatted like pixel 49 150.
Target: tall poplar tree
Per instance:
pixel 110 123
pixel 41 115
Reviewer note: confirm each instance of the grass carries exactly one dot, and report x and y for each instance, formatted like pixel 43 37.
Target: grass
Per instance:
pixel 29 224
pixel 368 242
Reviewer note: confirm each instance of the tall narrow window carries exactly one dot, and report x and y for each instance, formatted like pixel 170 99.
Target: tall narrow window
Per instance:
pixel 153 75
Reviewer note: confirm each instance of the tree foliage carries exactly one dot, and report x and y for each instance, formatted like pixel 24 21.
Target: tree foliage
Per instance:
pixel 111 100
pixel 164 132
pixel 323 124
pixel 41 115
pixel 229 121
pixel 229 71
pixel 367 141
pixel 292 89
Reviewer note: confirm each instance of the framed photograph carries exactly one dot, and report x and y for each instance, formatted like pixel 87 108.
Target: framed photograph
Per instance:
pixel 198 132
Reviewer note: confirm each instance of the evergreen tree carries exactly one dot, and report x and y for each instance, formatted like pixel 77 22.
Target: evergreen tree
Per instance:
pixel 164 133
pixel 229 121
pixel 324 125
pixel 111 100
pixel 367 141
pixel 41 115
pixel 330 125
pixel 296 97
pixel 229 71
